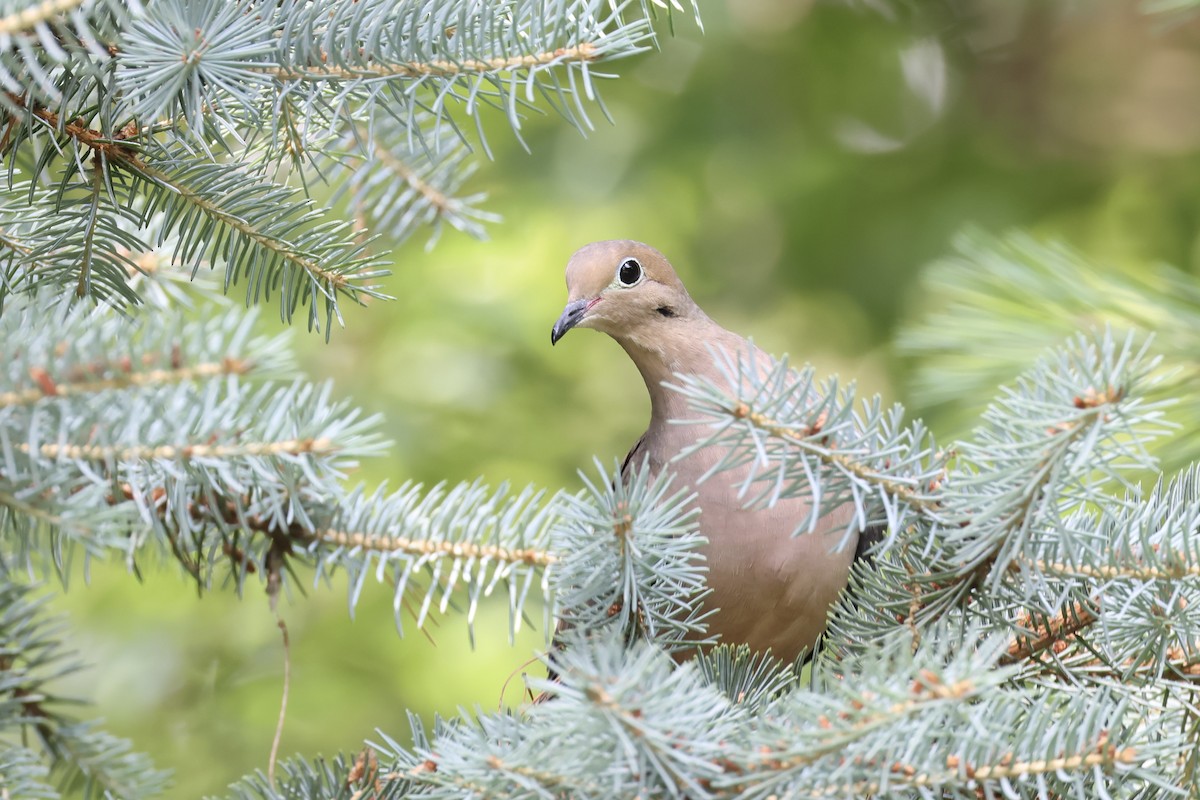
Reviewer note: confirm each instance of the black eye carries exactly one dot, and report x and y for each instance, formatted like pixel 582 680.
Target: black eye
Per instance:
pixel 630 272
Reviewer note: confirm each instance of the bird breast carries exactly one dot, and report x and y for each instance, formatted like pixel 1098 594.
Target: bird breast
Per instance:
pixel 772 585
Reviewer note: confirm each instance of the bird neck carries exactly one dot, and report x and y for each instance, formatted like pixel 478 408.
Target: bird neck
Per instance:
pixel 680 346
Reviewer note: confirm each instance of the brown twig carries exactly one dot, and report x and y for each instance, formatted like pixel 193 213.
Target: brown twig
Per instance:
pixel 48 387
pixel 530 556
pixel 27 19
pixel 800 439
pixel 1051 634
pixel 283 701
pixel 120 152
pixel 96 452
pixel 582 52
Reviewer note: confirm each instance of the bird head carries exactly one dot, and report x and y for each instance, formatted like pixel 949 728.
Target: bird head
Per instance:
pixel 625 289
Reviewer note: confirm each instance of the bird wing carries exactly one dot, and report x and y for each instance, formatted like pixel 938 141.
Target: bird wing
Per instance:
pixel 638 447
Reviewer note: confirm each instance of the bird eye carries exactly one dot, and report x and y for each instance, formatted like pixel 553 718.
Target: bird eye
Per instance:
pixel 630 272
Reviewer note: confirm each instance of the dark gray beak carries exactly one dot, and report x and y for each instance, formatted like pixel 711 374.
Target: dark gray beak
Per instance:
pixel 571 316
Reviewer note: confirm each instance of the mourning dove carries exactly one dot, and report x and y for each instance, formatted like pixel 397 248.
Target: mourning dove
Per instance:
pixel 770 588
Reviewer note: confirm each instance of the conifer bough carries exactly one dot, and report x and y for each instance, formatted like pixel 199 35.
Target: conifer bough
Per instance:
pixel 184 126
pixel 1029 627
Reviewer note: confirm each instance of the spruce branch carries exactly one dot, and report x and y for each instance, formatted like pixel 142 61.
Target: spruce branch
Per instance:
pixel 43 40
pixel 623 553
pixel 1050 445
pixel 851 738
pixel 109 453
pixel 1143 539
pixel 805 439
pixel 1009 298
pixel 1053 444
pixel 422 56
pixel 1020 495
pixel 751 680
pixel 111 433
pixel 262 234
pixel 23 775
pixel 73 353
pixel 40 248
pixel 214 212
pixel 339 778
pixel 73 754
pixel 48 387
pixel 629 558
pixel 580 53
pixel 196 62
pixel 156 437
pixel 1051 633
pixel 224 61
pixel 62 238
pixel 1090 698
pixel 156 97
pixel 26 20
pixel 937 721
pixel 429 547
pixel 1175 569
pixel 622 721
pixel 1118 601
pixel 465 538
pixel 402 181
pixel 801 439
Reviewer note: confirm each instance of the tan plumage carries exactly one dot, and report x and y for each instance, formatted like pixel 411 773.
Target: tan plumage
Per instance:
pixel 773 590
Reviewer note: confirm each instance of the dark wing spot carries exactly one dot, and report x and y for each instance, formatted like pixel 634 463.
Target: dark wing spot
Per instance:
pixel 666 311
pixel 865 549
pixel 634 452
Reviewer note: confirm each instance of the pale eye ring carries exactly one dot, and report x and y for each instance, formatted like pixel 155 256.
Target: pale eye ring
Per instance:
pixel 630 272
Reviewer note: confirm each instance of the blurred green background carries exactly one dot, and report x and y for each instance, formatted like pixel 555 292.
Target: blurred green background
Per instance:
pixel 799 163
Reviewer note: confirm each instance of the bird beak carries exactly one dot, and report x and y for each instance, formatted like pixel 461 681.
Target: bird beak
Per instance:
pixel 572 315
